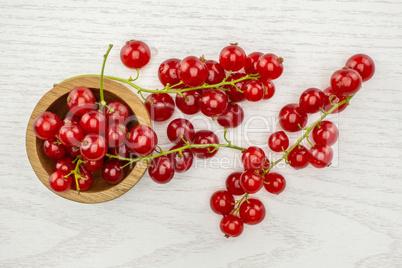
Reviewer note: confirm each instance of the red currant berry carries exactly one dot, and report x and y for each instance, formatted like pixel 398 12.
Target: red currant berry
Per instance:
pixel 363 64
pixel 84 183
pixel 346 82
pixel 70 135
pixel 142 140
pixel 233 184
pixel 91 165
pixel 213 102
pixel 54 149
pixel 121 151
pixel 73 151
pixel 269 66
pixel 332 96
pixel 161 169
pixel 64 164
pixel 58 182
pixel 252 211
pixel 325 133
pixel 232 117
pixel 232 58
pixel 234 94
pixel 278 141
pixel 274 183
pixel 231 225
pixel 251 182
pixel 188 103
pixel 118 112
pixel 251 62
pixel 71 119
pixel 292 118
pixel 311 100
pixel 93 147
pixel 320 155
pixel 298 157
pixel 192 71
pixel 253 90
pixel 222 202
pixel 112 172
pixel 167 72
pixel 269 88
pixel 205 137
pixel 216 72
pixel 116 135
pixel 182 162
pixel 179 128
pixel 135 54
pixel 253 158
pixel 162 107
pixel 80 100
pixel 93 122
pixel 46 125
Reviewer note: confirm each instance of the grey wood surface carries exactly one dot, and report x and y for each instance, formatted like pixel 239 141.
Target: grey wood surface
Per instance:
pixel 347 215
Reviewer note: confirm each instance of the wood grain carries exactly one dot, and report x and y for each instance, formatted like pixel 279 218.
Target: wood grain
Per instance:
pixel 348 215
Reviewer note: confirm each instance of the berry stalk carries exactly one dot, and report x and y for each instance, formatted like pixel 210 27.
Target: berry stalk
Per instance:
pixel 102 98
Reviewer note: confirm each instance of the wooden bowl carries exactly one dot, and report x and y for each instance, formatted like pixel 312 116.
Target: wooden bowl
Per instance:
pixel 56 101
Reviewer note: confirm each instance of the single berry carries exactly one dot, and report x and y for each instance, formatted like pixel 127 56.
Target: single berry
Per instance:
pixel 188 102
pixel 325 132
pixel 92 165
pixel 252 211
pixel 234 93
pixel 292 118
pixel 179 129
pixel 311 100
pixel 112 172
pixel 93 147
pixel 135 54
pixel 320 155
pixel 269 88
pixel 161 108
pixel 232 58
pixel 71 119
pixel 118 112
pixel 168 72
pixel 251 62
pixel 58 182
pixel 253 158
pixel 70 135
pixel 232 116
pixel 93 122
pixel 231 225
pixel 278 141
pixel 222 202
pixel 332 97
pixel 161 169
pixel 85 182
pixel 54 149
pixel 213 102
pixel 192 71
pixel 205 137
pixel 346 82
pixel 64 164
pixel 80 100
pixel 233 183
pixel 116 135
pixel 298 157
pixel 274 183
pixel 142 140
pixel 362 64
pixel 182 162
pixel 253 90
pixel 216 74
pixel 46 125
pixel 73 151
pixel 269 66
pixel 251 182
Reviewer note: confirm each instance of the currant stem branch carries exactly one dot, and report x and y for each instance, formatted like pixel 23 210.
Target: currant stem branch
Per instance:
pixel 102 98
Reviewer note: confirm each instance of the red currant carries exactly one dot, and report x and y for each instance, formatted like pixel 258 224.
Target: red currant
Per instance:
pixel 332 96
pixel 53 149
pixel 73 151
pixel 251 182
pixel 252 211
pixel 142 140
pixel 182 162
pixel 46 125
pixel 161 169
pixel 192 71
pixel 179 129
pixel 233 184
pixel 274 183
pixel 346 82
pixel 231 225
pixel 269 66
pixel 80 100
pixel 234 94
pixel 93 122
pixel 292 118
pixel 298 157
pixel 216 72
pixel 253 90
pixel 251 62
pixel 325 133
pixel 188 103
pixel 311 100
pixel 121 151
pixel 118 112
pixel 112 172
pixel 71 119
pixel 222 202
pixel 278 141
pixel 167 72
pixel 116 135
pixel 363 64
pixel 320 155
pixel 135 54
pixel 64 164
pixel 162 107
pixel 205 137
pixel 253 158
pixel 232 58
pixel 93 147
pixel 232 116
pixel 213 102
pixel 269 88
pixel 85 183
pixel 91 165
pixel 58 182
pixel 70 135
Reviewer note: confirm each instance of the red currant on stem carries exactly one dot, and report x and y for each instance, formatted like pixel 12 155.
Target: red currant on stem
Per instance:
pixel 251 182
pixel 253 90
pixel 215 71
pixel 85 180
pixel 232 58
pixel 116 135
pixel 363 64
pixel 346 82
pixel 231 225
pixel 142 140
pixel 112 172
pixel 93 122
pixel 93 147
pixel 331 98
pixel 252 211
pixel 135 54
pixel 118 112
pixel 192 71
pixel 298 157
pixel 70 135
pixel 234 93
pixel 253 158
pixel 80 100
pixel 222 202
pixel 292 118
pixel 161 169
pixel 311 100
pixel 187 102
pixel 233 184
pixel 179 129
pixel 58 181
pixel 205 137
pixel 278 141
pixel 269 66
pixel 64 164
pixel 269 88
pixel 251 62
pixel 160 106
pixel 325 133
pixel 320 155
pixel 213 102
pixel 182 161
pixel 168 72
pixel 274 183
pixel 46 125
pixel 92 165
pixel 54 149
pixel 232 116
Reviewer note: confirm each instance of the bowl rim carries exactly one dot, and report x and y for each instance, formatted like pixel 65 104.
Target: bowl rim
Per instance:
pixel 59 90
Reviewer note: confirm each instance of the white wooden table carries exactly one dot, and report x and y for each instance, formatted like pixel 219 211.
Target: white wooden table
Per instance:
pixel 347 215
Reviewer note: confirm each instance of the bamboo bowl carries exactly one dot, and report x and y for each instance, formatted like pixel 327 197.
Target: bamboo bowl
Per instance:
pixel 55 101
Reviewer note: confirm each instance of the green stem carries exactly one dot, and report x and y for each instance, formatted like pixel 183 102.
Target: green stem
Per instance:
pixel 235 210
pixel 102 98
